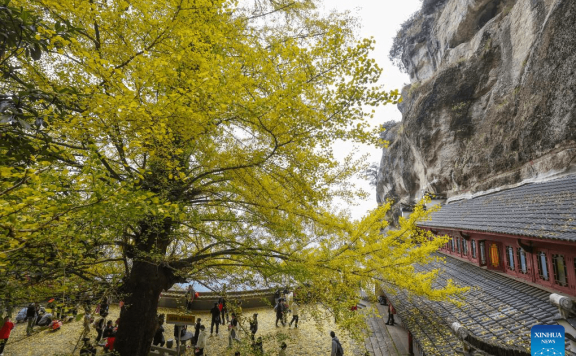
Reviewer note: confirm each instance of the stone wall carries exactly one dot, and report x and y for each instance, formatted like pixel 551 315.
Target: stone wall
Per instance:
pixel 251 299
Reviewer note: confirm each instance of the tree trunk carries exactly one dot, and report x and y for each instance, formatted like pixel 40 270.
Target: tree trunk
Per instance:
pixel 138 317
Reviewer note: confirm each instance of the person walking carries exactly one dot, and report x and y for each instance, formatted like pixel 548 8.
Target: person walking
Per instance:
pixel 5 333
pixel 215 312
pixel 391 312
pixel 254 325
pixel 31 315
pixel 196 331
pixel 283 348
pixel 337 349
pixel 232 328
pixel 295 312
pixel 224 310
pixel 286 308
pixel 190 293
pixel 201 343
pixel 279 308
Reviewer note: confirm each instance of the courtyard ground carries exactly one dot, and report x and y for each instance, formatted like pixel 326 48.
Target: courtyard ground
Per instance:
pixel 307 340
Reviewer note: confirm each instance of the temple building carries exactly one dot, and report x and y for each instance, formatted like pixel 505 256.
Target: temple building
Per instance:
pixel 516 250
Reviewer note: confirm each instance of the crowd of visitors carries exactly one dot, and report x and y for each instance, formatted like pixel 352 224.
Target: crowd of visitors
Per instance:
pixel 106 329
pixel 220 315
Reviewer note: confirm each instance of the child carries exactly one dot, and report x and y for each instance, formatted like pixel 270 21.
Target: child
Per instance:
pixel 5 333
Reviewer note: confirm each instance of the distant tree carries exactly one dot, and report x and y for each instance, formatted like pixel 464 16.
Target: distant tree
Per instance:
pixel 371 173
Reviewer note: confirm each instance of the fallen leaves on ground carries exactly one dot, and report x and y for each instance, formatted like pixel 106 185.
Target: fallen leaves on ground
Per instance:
pixel 309 339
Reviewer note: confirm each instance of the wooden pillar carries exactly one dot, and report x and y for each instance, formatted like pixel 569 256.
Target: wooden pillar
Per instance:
pixel 410 344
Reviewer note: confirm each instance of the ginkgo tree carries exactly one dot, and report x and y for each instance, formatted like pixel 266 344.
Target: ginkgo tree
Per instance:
pixel 195 142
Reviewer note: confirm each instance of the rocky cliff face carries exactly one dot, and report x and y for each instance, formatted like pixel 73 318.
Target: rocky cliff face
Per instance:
pixel 492 99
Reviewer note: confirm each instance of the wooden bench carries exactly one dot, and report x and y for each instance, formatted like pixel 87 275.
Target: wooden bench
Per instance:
pixel 162 351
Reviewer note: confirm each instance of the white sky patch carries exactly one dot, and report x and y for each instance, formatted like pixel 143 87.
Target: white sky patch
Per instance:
pixel 380 19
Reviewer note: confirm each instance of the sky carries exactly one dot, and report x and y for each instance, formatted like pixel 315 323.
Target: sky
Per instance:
pixel 380 19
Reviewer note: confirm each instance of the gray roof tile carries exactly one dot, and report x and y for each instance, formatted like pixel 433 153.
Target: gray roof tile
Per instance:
pixel 544 210
pixel 495 308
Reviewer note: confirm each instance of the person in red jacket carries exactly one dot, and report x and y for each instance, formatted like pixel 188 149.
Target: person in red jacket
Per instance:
pixel 110 343
pixel 5 333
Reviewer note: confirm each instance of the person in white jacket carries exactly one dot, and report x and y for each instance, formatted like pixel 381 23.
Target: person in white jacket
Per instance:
pixel 201 343
pixel 295 312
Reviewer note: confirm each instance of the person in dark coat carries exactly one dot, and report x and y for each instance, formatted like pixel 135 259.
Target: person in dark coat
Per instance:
pixel 391 312
pixel 232 328
pixel 196 331
pixel 104 307
pixel 279 308
pixel 215 312
pixel 109 329
pixel 99 329
pixel 31 316
pixel 179 331
pixel 159 334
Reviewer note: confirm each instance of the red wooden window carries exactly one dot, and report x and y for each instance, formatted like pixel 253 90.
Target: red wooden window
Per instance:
pixel 522 264
pixel 560 272
pixel 464 247
pixel 482 245
pixel 543 266
pixel 473 248
pixel 510 257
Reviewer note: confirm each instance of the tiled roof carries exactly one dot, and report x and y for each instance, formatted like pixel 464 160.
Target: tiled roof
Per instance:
pixel 496 309
pixel 544 210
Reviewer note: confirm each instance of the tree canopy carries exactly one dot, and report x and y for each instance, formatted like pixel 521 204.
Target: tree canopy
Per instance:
pixel 193 139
